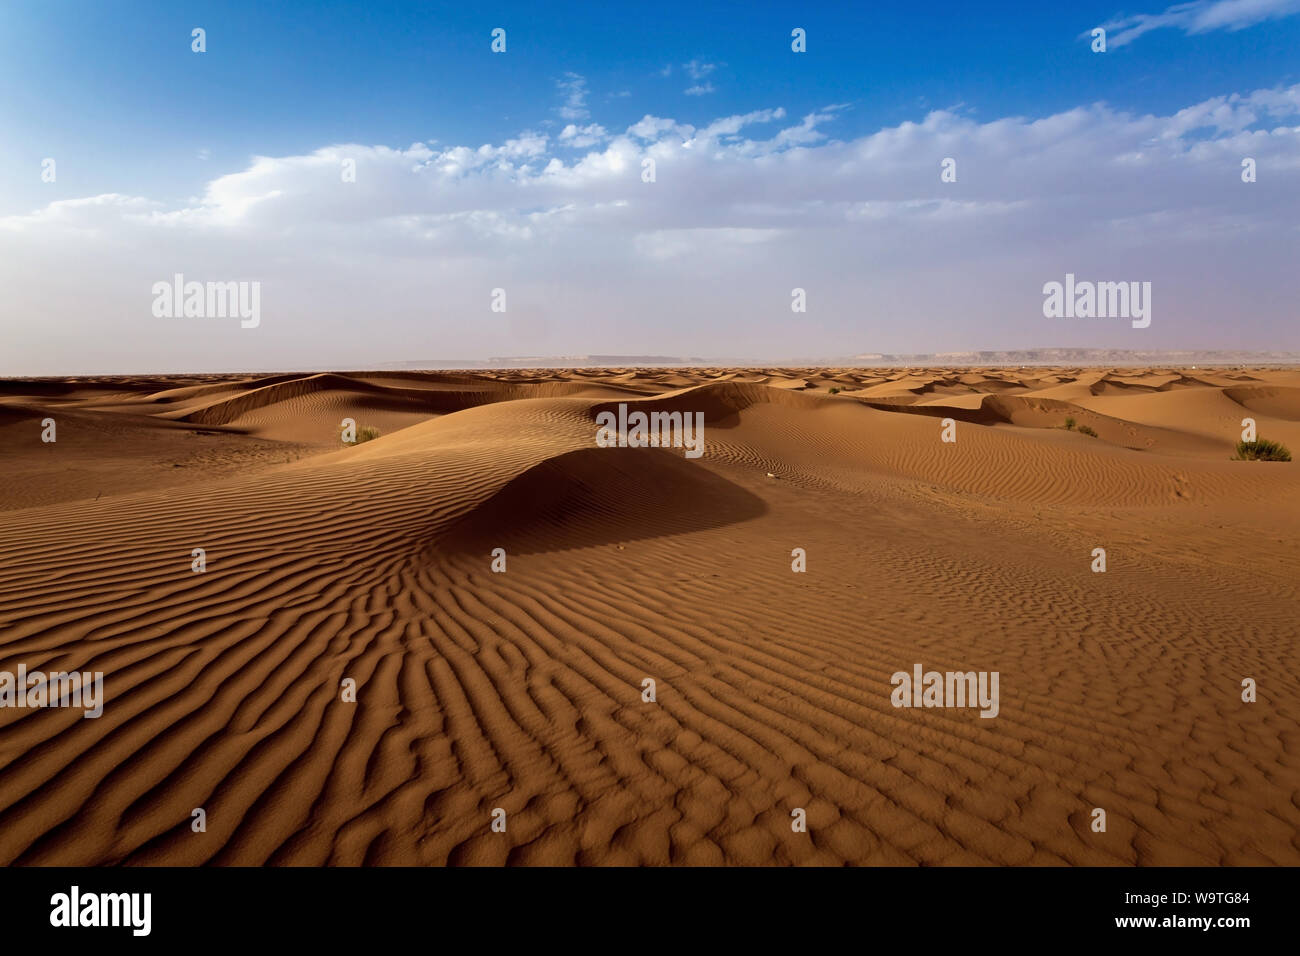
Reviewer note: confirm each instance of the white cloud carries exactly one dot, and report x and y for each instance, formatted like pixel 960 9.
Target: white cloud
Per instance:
pixel 580 137
pixel 731 125
pixel 399 264
pixel 574 88
pixel 1199 16
pixel 806 131
pixel 698 69
pixel 653 127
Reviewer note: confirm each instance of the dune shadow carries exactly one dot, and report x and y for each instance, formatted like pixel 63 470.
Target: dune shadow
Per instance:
pixel 600 496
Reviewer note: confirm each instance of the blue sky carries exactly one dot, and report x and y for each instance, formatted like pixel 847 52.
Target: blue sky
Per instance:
pixel 115 94
pixel 117 85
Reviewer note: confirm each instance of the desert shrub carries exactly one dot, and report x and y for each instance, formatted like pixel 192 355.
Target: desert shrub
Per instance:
pixel 1261 450
pixel 1069 423
pixel 366 433
pixel 835 389
pixel 1085 430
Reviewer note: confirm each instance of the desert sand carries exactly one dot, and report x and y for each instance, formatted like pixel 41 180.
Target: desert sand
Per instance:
pixel 522 690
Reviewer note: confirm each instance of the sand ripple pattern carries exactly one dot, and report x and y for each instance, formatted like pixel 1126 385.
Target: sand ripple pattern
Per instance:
pixel 522 690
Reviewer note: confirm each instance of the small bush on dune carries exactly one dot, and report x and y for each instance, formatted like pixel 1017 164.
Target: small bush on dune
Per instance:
pixel 835 390
pixel 1085 430
pixel 1069 423
pixel 1262 450
pixel 365 433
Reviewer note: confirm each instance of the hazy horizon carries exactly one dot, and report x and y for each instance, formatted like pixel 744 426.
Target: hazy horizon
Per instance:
pixel 993 358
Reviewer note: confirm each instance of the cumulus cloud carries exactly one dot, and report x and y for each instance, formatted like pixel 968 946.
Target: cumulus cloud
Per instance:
pixel 399 263
pixel 580 137
pixel 1199 16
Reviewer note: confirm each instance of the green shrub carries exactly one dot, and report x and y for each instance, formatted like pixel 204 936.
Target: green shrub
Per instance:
pixel 1085 430
pixel 1262 450
pixel 1069 423
pixel 835 389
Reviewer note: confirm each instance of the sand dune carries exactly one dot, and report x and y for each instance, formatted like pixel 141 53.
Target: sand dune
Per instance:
pixel 522 690
pixel 1277 402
